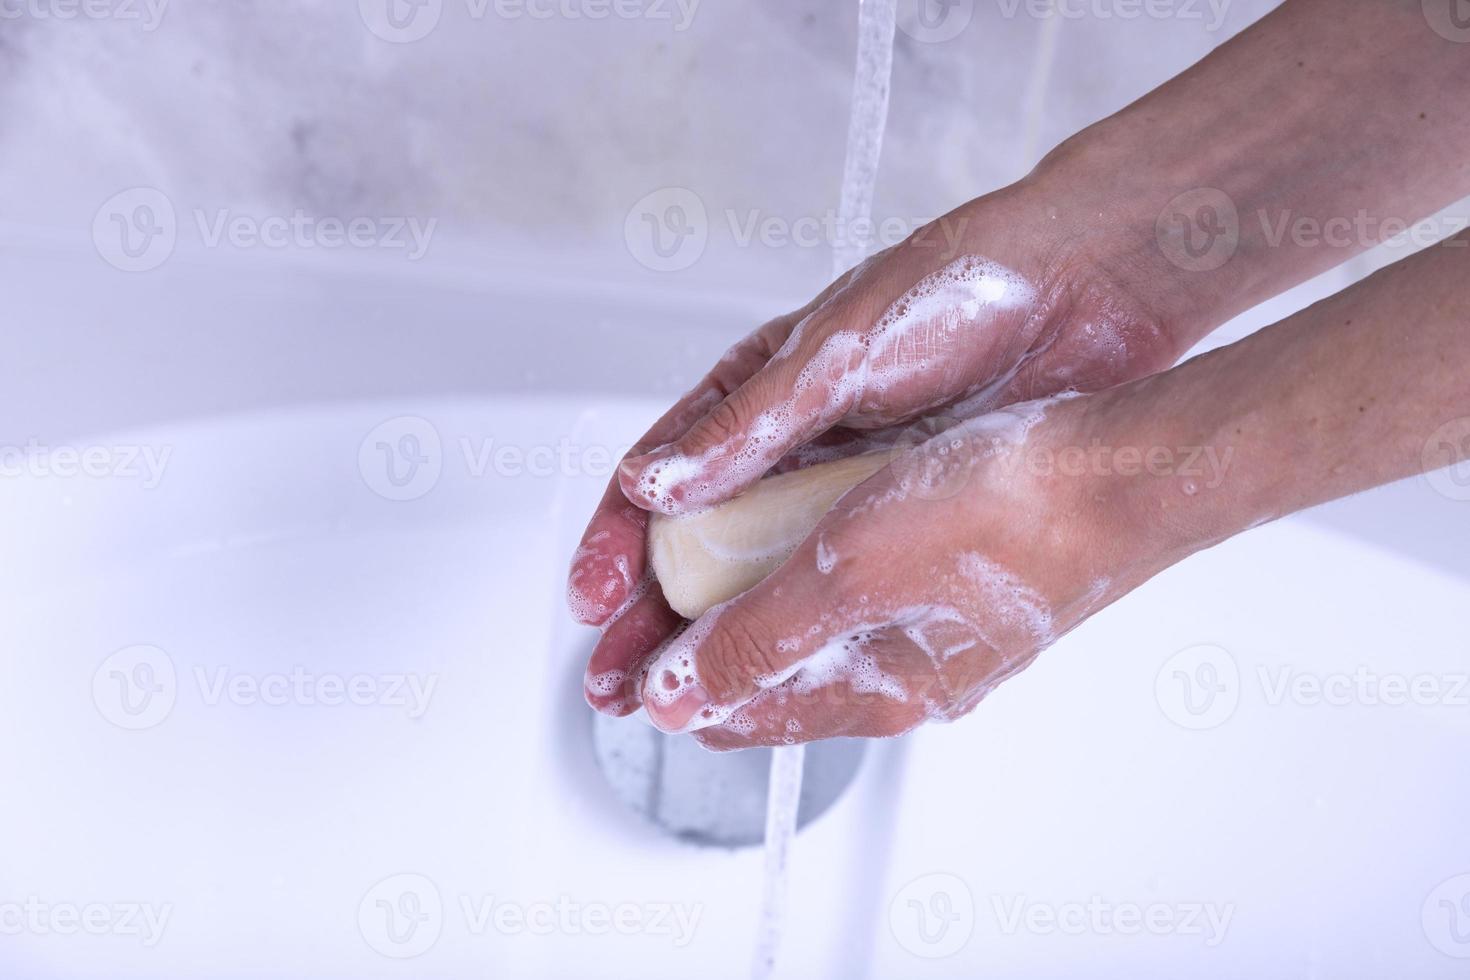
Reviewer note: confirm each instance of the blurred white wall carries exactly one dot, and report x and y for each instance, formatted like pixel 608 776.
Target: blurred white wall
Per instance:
pixel 502 123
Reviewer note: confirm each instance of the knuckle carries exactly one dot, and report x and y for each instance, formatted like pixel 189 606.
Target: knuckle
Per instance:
pixel 724 423
pixel 738 650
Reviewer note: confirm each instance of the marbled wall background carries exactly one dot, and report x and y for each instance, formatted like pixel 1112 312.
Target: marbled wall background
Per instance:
pixel 503 123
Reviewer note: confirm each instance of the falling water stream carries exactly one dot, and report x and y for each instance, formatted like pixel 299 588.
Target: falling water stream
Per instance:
pixel 868 118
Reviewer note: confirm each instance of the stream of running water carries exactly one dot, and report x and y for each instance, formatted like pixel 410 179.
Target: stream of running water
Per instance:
pixel 866 122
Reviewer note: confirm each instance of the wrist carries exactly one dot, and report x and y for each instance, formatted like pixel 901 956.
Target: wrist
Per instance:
pixel 1111 216
pixel 1137 487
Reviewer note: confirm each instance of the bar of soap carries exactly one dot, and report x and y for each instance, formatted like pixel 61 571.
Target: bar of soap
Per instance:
pixel 703 559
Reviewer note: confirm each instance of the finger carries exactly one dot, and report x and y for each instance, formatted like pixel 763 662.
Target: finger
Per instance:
pixel 814 705
pixel 611 558
pixel 613 680
pixel 800 393
pixel 842 442
pixel 753 642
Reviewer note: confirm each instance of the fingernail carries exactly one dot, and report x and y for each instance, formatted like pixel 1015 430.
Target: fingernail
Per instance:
pixel 587 609
pixel 630 475
pixel 612 692
pixel 634 465
pixel 682 714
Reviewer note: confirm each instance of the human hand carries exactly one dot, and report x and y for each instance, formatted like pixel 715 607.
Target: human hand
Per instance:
pixel 959 561
pixel 920 591
pixel 1001 301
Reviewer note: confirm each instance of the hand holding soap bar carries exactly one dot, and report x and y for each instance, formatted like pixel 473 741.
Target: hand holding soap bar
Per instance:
pixel 705 558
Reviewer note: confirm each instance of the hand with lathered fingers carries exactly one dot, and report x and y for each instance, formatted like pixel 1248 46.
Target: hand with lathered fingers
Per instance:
pixel 919 591
pixel 1013 312
pixel 957 563
pixel 1093 270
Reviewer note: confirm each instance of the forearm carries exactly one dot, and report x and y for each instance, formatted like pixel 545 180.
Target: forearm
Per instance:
pixel 1325 127
pixel 1344 396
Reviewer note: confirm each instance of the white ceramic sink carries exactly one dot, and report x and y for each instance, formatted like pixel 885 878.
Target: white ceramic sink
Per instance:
pixel 1088 820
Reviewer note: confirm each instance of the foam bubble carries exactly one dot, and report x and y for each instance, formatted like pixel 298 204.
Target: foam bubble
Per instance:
pixel 826 557
pixel 637 591
pixel 1007 599
pixel 673 670
pixel 847 659
pixel 918 333
pixel 606 683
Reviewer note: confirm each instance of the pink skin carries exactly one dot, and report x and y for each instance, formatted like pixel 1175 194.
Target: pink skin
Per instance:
pixel 915 613
pixel 1109 303
pixel 947 575
pixel 1043 339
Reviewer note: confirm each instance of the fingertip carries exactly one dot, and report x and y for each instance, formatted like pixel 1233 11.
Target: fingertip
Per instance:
pixel 673 694
pixel 583 604
pixel 617 700
pixel 654 481
pixel 686 709
pixel 609 563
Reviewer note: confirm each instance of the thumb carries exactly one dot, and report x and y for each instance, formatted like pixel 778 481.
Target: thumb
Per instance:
pixel 789 401
pixel 737 649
